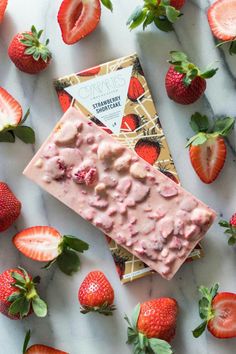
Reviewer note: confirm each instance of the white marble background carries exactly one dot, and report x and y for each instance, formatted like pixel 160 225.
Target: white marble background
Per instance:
pixel 65 327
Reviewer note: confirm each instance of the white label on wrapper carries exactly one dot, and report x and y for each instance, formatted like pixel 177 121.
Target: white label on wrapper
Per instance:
pixel 105 96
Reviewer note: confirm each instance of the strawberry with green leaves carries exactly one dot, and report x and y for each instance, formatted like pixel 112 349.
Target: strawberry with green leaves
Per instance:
pixel 11 121
pixel 230 229
pixel 46 244
pixel 184 81
pixel 18 295
pixel 153 326
pixel 38 348
pixel 207 149
pixel 163 13
pixel 218 312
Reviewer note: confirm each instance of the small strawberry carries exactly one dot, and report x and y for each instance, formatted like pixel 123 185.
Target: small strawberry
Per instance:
pixel 222 17
pixel 18 295
pixel 119 260
pixel 207 149
pixel 38 348
pixel 149 147
pixel 3 6
pixel 28 53
pixel 90 72
pixel 96 294
pixel 163 13
pixel 230 229
pixel 130 122
pixel 46 244
pixel 11 122
pixel 184 82
pixel 78 18
pixel 218 312
pixel 10 207
pixel 64 97
pixel 135 90
pixel 153 325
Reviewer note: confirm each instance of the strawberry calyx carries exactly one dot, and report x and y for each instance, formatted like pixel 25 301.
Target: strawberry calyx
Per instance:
pixel 232 46
pixel 205 308
pixel 25 133
pixel 107 4
pixel 230 230
pixel 25 297
pixel 183 66
pixel 34 47
pixel 201 126
pixel 152 11
pixel 26 341
pixel 141 343
pixel 68 260
pixel 105 309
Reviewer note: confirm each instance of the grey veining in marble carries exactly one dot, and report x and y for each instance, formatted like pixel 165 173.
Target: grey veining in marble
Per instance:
pixel 65 327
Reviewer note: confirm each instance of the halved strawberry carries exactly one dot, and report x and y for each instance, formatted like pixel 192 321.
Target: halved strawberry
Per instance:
pixel 78 18
pixel 45 244
pixel 207 149
pixel 3 6
pixel 90 72
pixel 10 110
pixel 218 311
pixel 222 19
pixel 39 348
pixel 130 122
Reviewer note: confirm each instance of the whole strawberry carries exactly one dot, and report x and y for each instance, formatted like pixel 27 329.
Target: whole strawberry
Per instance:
pixel 162 13
pixel 218 312
pixel 230 229
pixel 184 82
pixel 10 207
pixel 18 295
pixel 96 294
pixel 207 149
pixel 28 53
pixel 153 325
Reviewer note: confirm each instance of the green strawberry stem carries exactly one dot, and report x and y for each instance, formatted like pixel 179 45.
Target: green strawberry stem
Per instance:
pixel 105 309
pixel 23 132
pixel 162 15
pixel 201 126
pixel 230 230
pixel 140 342
pixel 25 297
pixel 26 341
pixel 232 47
pixel 68 260
pixel 205 309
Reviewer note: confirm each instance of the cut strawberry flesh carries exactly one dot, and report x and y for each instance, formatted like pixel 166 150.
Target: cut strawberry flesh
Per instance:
pixel 78 18
pixel 43 349
pixel 39 243
pixel 10 110
pixel 222 19
pixel 223 325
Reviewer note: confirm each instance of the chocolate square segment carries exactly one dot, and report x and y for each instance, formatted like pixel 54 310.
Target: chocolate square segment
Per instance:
pixel 117 191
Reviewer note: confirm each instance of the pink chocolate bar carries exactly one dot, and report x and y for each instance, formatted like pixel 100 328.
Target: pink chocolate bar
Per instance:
pixel 118 192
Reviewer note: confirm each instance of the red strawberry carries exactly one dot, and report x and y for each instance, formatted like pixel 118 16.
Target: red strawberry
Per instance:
pixel 218 311
pixel 153 325
pixel 178 4
pixel 3 6
pixel 28 53
pixel 18 295
pixel 96 294
pixel 90 72
pixel 65 100
pixel 39 348
pixel 45 244
pixel 130 122
pixel 10 207
pixel 230 229
pixel 78 18
pixel 207 149
pixel 101 125
pixel 11 111
pixel 184 82
pixel 148 148
pixel 135 90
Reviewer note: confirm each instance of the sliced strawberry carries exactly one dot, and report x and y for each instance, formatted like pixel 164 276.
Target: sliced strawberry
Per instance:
pixel 43 349
pixel 222 19
pixel 208 159
pixel 39 243
pixel 223 324
pixel 10 110
pixel 78 18
pixel 90 72
pixel 3 6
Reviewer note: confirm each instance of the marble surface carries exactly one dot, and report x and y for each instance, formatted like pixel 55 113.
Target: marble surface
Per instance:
pixel 65 327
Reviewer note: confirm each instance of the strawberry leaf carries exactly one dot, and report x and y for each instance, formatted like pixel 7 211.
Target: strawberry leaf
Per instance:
pixel 224 126
pixel 39 307
pixel 135 315
pixel 172 14
pixel 13 296
pixel 199 123
pixel 7 137
pixel 149 19
pixel 232 48
pixel 26 134
pixel 26 341
pixel 163 24
pixel 68 262
pixel 209 73
pixel 199 330
pixel 107 4
pixel 136 18
pixel 159 346
pixel 17 305
pixel 224 223
pixel 232 241
pixel 178 57
pixel 74 243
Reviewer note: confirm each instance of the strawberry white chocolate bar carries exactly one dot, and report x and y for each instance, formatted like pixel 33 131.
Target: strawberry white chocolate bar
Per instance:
pixel 118 192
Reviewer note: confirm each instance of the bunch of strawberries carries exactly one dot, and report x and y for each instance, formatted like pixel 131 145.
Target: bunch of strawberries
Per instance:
pixel 153 323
